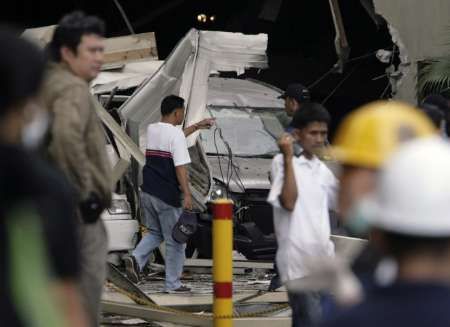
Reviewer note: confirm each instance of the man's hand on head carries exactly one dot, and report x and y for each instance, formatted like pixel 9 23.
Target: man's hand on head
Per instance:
pixel 286 145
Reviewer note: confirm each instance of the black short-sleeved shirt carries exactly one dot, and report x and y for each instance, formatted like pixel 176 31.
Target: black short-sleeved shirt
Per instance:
pixel 26 179
pixel 56 206
pixel 401 304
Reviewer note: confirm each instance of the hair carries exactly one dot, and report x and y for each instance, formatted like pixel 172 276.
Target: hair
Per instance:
pixel 400 246
pixel 22 66
pixel 310 112
pixel 437 100
pixel 434 113
pixel 170 103
pixel 70 30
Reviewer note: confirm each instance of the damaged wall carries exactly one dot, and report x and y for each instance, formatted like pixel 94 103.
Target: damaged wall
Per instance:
pixel 421 29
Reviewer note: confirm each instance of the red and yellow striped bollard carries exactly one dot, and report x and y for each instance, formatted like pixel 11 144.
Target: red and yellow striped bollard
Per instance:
pixel 223 262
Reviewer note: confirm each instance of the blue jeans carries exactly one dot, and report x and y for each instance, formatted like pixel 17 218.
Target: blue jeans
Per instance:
pixel 306 308
pixel 160 218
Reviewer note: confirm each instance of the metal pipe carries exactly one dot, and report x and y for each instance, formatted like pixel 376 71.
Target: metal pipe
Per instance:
pixel 124 16
pixel 223 262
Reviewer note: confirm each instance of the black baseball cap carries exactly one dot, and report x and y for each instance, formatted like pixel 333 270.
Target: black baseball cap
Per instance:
pixel 297 91
pixel 185 227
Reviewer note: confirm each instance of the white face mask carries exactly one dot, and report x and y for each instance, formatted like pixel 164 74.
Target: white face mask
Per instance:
pixel 356 222
pixel 34 132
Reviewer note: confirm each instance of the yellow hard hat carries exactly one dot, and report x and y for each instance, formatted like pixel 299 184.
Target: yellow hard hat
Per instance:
pixel 371 133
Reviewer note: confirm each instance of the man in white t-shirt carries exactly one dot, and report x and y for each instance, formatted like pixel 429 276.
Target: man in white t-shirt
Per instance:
pixel 303 190
pixel 165 179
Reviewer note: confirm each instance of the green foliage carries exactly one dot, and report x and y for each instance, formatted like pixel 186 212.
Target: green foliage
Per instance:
pixel 434 77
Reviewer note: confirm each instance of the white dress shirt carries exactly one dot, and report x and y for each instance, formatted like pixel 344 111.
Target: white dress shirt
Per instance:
pixel 305 231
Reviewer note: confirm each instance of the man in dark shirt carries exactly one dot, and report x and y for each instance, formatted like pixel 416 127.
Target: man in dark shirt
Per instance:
pixel 364 141
pixel 411 226
pixel 38 251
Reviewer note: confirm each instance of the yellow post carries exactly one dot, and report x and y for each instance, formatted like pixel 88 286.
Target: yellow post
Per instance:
pixel 223 262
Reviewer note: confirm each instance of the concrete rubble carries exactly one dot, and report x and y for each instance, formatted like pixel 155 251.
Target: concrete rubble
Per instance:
pixel 249 295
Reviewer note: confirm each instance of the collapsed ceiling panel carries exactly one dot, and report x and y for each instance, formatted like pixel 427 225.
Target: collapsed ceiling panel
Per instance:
pixel 186 72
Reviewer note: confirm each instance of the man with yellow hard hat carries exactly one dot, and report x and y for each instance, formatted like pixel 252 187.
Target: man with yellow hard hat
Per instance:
pixel 410 226
pixel 364 141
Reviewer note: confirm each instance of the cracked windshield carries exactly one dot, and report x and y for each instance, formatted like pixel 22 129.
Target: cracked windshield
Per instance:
pixel 249 132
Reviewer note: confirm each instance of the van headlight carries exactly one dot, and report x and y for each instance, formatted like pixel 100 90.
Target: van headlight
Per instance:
pixel 218 191
pixel 119 207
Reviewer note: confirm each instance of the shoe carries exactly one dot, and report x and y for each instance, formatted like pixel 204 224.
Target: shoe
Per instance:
pixel 275 283
pixel 131 268
pixel 180 290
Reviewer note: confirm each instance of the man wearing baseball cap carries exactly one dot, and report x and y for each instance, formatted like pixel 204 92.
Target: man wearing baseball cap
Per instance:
pixel 294 97
pixel 296 94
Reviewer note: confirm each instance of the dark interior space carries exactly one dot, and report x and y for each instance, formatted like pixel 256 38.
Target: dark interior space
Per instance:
pixel 301 38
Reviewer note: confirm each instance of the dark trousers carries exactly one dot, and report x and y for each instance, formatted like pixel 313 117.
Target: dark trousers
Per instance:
pixel 275 282
pixel 306 308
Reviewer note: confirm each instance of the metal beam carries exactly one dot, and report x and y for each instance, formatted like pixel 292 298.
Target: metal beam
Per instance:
pixel 151 314
pixel 119 134
pixel 118 98
pixel 205 300
pixel 236 264
pixel 120 281
pixel 269 297
pixel 340 41
pixel 124 16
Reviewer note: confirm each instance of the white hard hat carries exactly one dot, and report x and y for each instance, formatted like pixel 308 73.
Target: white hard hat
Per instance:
pixel 413 194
